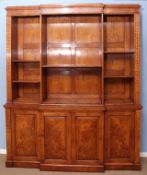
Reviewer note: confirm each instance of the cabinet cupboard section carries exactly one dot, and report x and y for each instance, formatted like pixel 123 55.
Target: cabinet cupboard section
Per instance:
pixel 57 137
pixel 119 137
pixel 88 137
pixel 24 134
pixel 73 138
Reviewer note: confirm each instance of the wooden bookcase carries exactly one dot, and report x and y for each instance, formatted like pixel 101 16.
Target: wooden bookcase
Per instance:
pixel 73 87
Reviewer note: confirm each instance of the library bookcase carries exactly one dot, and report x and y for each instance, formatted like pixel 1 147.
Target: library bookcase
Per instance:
pixel 73 87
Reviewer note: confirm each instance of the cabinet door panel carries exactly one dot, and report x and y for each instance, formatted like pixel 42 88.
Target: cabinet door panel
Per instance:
pixel 88 141
pixel 57 137
pixel 24 133
pixel 119 138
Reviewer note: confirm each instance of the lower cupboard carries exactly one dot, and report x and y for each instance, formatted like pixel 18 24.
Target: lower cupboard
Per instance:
pixel 71 141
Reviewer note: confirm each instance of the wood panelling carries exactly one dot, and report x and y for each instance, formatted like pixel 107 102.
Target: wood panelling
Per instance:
pixel 118 65
pixel 119 136
pixel 88 56
pixel 62 85
pixel 118 33
pixel 73 87
pixel 87 29
pixel 122 94
pixel 24 143
pixel 26 39
pixel 59 56
pixel 88 138
pixel 57 137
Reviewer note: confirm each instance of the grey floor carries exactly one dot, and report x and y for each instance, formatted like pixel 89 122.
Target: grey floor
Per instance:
pixel 28 171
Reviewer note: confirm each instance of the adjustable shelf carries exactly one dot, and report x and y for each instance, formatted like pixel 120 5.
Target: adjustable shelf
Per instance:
pixel 25 61
pixel 118 76
pixel 26 81
pixel 72 66
pixel 119 52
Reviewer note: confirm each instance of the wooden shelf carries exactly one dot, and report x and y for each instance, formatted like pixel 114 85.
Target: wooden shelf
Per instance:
pixel 119 101
pixel 118 52
pixel 26 81
pixel 29 99
pixel 25 61
pixel 74 44
pixel 118 76
pixel 72 99
pixel 69 66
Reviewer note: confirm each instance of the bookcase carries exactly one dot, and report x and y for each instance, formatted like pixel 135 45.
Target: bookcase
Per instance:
pixel 73 87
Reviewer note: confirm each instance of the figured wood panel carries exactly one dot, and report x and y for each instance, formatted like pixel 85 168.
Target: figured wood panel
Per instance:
pixel 24 134
pixel 87 29
pixel 119 136
pixel 59 29
pixel 84 81
pixel 118 33
pixel 59 82
pixel 118 65
pixel 56 136
pixel 88 82
pixel 88 138
pixel 88 57
pixel 118 90
pixel 59 57
pixel 31 38
pixel 67 37
pixel 28 89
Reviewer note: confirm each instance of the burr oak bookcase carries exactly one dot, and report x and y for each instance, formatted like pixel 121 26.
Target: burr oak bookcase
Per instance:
pixel 73 87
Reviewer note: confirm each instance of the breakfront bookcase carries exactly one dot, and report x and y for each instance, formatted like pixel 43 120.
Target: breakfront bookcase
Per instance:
pixel 73 87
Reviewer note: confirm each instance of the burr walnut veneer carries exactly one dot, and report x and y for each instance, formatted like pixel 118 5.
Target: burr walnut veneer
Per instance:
pixel 73 87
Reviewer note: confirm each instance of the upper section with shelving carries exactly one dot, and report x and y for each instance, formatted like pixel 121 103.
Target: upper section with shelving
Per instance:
pixel 81 54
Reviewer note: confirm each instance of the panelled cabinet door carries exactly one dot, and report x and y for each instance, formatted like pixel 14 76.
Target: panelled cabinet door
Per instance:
pixel 119 137
pixel 57 137
pixel 24 135
pixel 87 132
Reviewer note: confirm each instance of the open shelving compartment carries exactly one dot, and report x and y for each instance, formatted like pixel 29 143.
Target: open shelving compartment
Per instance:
pixel 118 59
pixel 25 61
pixel 72 59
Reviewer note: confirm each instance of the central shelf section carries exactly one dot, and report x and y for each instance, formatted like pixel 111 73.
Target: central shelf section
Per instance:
pixel 72 59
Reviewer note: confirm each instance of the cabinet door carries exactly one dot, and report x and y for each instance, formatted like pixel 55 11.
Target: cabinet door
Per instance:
pixel 24 135
pixel 87 138
pixel 57 137
pixel 119 137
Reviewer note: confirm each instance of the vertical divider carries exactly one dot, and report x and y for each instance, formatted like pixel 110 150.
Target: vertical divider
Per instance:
pixel 43 55
pixel 102 57
pixel 73 50
pixel 9 57
pixel 41 119
pixel 41 98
